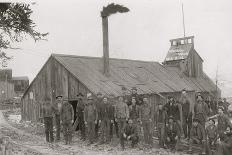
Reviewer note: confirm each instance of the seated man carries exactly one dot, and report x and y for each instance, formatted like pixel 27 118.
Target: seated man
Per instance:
pixel 129 133
pixel 197 135
pixel 225 147
pixel 211 132
pixel 172 133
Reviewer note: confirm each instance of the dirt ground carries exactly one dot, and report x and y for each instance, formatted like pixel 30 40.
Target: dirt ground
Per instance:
pixel 28 138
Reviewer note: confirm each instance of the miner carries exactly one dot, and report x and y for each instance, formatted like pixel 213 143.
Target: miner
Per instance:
pixel 67 117
pixel 90 118
pixel 80 115
pixel 47 113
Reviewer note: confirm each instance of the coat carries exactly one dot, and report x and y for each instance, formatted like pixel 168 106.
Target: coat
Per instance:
pixel 106 112
pixel 211 132
pixel 172 130
pixel 67 113
pixel 48 110
pixel 223 122
pixel 90 113
pixel 134 112
pixel 185 107
pixel 198 132
pixel 145 112
pixel 201 111
pixel 174 110
pixel 56 107
pixel 121 110
pixel 161 117
pixel 80 109
pixel 130 130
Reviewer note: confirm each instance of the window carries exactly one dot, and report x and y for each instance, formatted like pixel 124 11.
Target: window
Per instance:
pixel 189 41
pixel 182 42
pixel 174 43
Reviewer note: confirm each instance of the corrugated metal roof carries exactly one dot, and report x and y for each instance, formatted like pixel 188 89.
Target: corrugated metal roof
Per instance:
pixel 178 52
pixel 148 77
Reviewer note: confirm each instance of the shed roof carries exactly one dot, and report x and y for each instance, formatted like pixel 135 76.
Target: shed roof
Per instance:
pixel 20 78
pixel 148 77
pixel 178 52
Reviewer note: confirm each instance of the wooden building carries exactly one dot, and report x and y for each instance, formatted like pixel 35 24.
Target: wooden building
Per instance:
pixel 69 75
pixel 10 86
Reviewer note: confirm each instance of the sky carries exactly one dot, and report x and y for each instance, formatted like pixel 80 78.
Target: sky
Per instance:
pixel 75 28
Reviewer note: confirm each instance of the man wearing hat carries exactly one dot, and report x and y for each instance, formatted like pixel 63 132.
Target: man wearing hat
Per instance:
pixel 186 113
pixel 80 115
pixel 90 118
pixel 130 133
pixel 161 121
pixel 211 132
pixel 223 122
pixel 197 135
pixel 135 95
pixel 201 109
pixel 67 117
pixel 98 106
pixel 145 115
pixel 172 133
pixel 57 108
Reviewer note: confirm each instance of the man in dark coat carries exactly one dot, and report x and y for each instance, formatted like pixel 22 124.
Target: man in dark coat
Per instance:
pixel 201 110
pixel 80 115
pixel 67 117
pixel 90 118
pixel 47 113
pixel 129 133
pixel 186 114
pixel 197 135
pixel 57 108
pixel 172 134
pixel 105 119
pixel 174 109
pixel 98 106
pixel 146 119
pixel 161 121
pixel 134 111
pixel 113 124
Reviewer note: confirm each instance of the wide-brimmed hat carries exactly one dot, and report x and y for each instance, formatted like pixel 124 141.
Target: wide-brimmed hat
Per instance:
pixel 212 120
pixel 196 120
pixel 221 107
pixel 171 117
pixel 80 95
pixel 59 96
pixel 134 88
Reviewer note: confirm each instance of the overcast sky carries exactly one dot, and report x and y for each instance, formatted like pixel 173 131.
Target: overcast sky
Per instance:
pixel 74 27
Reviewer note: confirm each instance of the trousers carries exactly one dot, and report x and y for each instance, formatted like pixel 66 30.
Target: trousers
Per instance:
pixel 57 118
pixel 91 131
pixel 67 131
pixel 147 132
pixel 48 124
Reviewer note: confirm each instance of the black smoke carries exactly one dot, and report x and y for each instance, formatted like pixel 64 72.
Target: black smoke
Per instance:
pixel 112 9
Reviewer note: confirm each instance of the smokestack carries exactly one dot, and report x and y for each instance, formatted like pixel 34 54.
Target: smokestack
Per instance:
pixel 105 13
pixel 105 45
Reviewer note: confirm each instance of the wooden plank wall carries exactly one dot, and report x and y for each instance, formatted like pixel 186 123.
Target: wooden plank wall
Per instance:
pixel 53 80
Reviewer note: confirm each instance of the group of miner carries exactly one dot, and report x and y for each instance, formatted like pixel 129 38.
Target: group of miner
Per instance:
pixel 204 123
